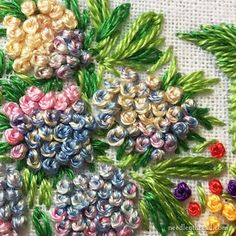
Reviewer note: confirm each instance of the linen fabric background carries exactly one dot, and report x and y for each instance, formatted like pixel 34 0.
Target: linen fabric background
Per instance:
pixel 183 16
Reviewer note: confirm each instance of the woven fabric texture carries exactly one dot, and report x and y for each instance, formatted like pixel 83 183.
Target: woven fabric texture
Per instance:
pixel 183 16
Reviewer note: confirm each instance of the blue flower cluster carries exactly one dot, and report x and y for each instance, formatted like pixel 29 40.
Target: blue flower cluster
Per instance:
pixel 55 138
pixel 144 114
pixel 103 204
pixel 12 206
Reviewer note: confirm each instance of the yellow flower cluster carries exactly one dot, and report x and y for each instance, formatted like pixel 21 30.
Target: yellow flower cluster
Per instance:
pixel 216 205
pixel 29 41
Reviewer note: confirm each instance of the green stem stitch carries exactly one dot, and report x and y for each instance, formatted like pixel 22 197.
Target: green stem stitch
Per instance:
pixel 189 167
pixel 164 59
pixel 5 159
pixel 112 24
pixel 4 122
pixel 202 147
pixel 144 212
pixel 201 196
pixel 3 32
pixel 11 8
pixel 45 193
pixel 99 12
pixel 229 231
pixel 4 148
pixel 233 171
pixel 99 147
pixel 41 223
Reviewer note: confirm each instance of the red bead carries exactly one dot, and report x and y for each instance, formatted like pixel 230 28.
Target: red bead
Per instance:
pixel 215 186
pixel 194 209
pixel 234 234
pixel 217 150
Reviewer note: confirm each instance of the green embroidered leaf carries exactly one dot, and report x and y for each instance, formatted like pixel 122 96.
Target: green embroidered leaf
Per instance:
pixel 157 214
pixel 142 160
pixel 144 214
pixel 99 147
pixel 121 150
pixel 4 148
pixel 2 63
pixel 113 23
pixel 41 223
pixel 74 6
pixel 233 171
pixel 11 8
pixel 88 81
pixel 4 123
pixel 189 167
pixel 202 196
pixel 201 147
pixel 214 121
pixel 192 136
pixel 99 12
pixel 229 231
pixel 3 32
pixel 220 41
pixel 201 115
pixel 6 159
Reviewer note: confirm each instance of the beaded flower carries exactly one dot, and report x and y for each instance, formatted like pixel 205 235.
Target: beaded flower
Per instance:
pixel 50 130
pixel 12 205
pixel 144 115
pixel 47 41
pixel 102 204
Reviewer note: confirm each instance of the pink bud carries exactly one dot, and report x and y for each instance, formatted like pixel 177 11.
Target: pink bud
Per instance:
pixel 48 101
pixel 73 93
pixel 13 136
pixel 11 109
pixel 35 93
pixel 18 152
pixel 61 101
pixel 27 105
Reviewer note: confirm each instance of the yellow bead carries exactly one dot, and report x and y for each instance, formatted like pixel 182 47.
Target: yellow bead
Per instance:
pixel 214 203
pixel 229 211
pixel 212 225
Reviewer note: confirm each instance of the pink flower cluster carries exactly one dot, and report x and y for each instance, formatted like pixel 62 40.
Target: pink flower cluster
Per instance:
pixel 35 100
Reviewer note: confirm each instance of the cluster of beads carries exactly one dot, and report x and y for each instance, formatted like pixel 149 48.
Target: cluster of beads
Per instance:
pixel 50 130
pixel 12 206
pixel 66 56
pixel 100 205
pixel 29 42
pixel 146 115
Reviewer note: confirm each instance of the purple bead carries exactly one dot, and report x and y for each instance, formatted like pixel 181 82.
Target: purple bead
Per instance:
pixel 182 192
pixel 232 188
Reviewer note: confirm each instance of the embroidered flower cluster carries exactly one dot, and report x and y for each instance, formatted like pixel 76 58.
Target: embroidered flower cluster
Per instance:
pixel 12 205
pixel 143 113
pixel 44 41
pixel 50 130
pixel 103 204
